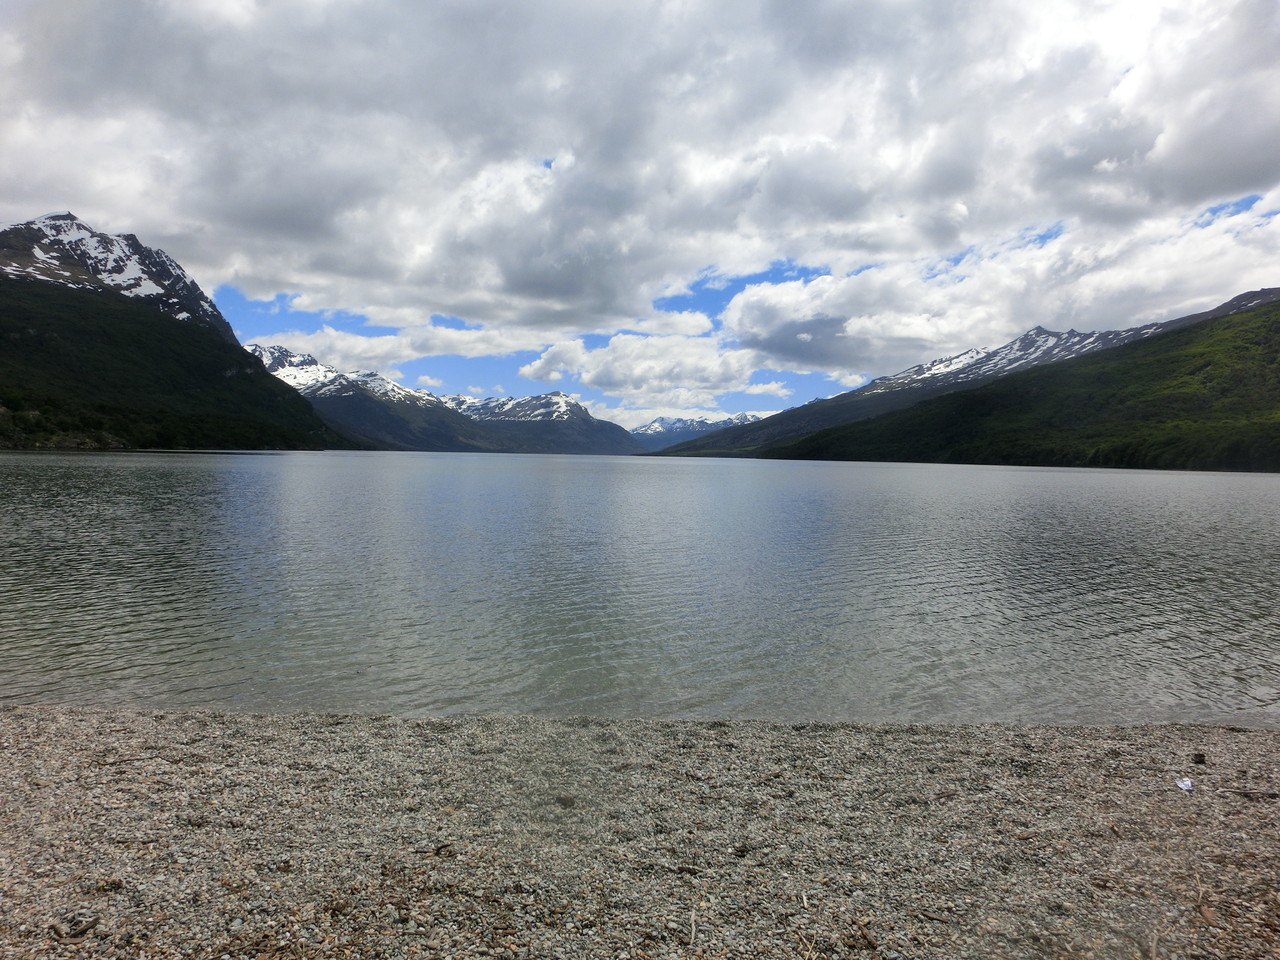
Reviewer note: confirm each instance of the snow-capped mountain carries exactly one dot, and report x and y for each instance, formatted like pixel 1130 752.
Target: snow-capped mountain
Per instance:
pixel 670 425
pixel 971 368
pixel 935 368
pixel 1035 347
pixel 547 406
pixel 89 362
pixel 60 248
pixel 382 413
pixel 1039 346
pixel 312 378
pixel 666 431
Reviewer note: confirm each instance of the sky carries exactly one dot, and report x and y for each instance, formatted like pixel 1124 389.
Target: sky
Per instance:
pixel 662 208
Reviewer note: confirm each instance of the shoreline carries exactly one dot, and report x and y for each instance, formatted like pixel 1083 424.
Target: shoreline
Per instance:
pixel 131 833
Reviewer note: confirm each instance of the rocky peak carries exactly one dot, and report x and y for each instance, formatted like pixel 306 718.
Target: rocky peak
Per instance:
pixel 61 248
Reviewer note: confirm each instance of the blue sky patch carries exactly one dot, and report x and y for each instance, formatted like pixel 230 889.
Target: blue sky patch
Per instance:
pixel 255 319
pixel 1040 238
pixel 711 292
pixel 1230 208
pixel 945 267
pixel 453 323
pixel 481 376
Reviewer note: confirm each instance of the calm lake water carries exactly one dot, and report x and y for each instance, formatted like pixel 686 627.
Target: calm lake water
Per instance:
pixel 420 584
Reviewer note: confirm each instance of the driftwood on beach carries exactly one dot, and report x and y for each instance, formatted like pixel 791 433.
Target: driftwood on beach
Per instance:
pixel 216 835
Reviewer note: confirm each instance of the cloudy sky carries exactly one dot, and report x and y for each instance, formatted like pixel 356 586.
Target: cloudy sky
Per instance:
pixel 660 207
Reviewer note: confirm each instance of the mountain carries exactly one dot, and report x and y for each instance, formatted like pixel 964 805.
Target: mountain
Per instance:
pixel 1205 396
pixel 964 371
pixel 387 416
pixel 371 409
pixel 61 249
pixel 547 406
pixel 89 367
pixel 547 423
pixel 110 343
pixel 667 431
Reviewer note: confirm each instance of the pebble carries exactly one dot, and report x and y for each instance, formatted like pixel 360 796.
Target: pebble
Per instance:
pixel 585 839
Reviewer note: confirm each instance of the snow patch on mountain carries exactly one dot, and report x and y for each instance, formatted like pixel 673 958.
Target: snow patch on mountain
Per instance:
pixel 691 425
pixel 1034 348
pixel 1040 346
pixel 666 432
pixel 299 370
pixel 548 406
pixel 926 371
pixel 312 378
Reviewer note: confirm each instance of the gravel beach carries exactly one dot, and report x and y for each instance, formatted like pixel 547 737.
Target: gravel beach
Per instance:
pixel 139 834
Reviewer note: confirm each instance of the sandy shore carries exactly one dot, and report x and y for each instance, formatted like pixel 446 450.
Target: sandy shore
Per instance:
pixel 214 835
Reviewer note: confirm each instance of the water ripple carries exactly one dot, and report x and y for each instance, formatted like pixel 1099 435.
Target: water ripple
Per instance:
pixel 422 584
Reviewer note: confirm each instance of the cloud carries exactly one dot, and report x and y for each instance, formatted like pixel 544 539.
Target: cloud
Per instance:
pixel 654 370
pixel 1091 277
pixel 546 171
pixel 348 350
pixel 689 323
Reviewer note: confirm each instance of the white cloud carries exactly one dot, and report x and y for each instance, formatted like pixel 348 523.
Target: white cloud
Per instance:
pixel 347 350
pixel 545 171
pixel 775 388
pixel 1090 276
pixel 850 381
pixel 653 370
pixel 688 323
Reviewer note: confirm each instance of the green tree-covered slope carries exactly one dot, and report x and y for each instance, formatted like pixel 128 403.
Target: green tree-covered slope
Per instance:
pixel 89 369
pixel 1206 397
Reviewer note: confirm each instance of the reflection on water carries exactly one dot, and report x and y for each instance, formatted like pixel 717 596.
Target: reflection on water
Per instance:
pixel 420 584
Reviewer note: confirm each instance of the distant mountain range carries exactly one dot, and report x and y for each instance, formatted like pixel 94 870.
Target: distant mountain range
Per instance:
pixel 417 419
pixel 383 414
pixel 667 431
pixel 1035 348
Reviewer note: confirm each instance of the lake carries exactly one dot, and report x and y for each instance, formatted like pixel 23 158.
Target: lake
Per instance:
pixel 426 584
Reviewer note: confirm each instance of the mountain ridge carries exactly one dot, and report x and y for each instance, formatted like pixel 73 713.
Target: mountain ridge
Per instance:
pixel 387 415
pixel 1203 396
pixel 1037 347
pixel 62 249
